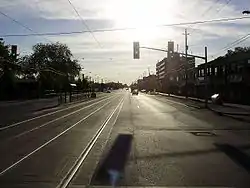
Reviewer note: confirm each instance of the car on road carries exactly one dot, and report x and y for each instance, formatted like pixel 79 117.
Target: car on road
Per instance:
pixel 135 92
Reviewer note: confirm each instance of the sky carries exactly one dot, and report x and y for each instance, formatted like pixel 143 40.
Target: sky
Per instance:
pixel 108 55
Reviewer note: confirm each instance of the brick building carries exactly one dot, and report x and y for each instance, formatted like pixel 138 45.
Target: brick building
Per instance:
pixel 171 73
pixel 229 76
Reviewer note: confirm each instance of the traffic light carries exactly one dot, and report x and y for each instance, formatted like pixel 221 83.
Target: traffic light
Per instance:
pixel 136 50
pixel 14 50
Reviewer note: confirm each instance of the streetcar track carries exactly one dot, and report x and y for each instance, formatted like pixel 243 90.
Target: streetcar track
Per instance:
pixel 47 114
pixel 51 140
pixel 56 119
pixel 73 170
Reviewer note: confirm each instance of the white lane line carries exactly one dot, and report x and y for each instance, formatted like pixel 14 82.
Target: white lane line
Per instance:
pixel 138 106
pixel 61 117
pixel 44 115
pixel 51 140
pixel 71 173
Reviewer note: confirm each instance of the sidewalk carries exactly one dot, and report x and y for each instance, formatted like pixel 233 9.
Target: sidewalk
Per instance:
pixel 239 113
pixel 236 111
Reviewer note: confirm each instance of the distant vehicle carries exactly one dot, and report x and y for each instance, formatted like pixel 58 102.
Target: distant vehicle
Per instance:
pixel 108 91
pixel 144 90
pixel 135 92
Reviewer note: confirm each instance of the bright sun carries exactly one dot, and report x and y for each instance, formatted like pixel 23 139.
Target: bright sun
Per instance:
pixel 142 14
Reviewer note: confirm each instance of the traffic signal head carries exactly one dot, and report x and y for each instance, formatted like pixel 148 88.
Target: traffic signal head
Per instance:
pixel 14 50
pixel 136 51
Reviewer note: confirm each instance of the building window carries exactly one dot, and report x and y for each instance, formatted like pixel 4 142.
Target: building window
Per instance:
pixel 202 72
pixel 216 71
pixel 208 71
pixel 223 69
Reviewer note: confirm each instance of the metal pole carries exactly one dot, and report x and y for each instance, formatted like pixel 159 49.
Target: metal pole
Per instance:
pixel 186 63
pixel 206 80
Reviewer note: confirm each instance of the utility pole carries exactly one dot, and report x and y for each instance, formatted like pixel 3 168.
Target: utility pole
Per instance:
pixel 206 80
pixel 186 63
pixel 148 71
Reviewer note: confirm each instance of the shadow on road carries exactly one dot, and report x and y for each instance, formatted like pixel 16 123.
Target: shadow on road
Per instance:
pixel 110 169
pixel 190 153
pixel 236 155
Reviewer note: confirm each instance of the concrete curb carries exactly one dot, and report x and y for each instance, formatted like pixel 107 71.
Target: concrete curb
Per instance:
pixel 230 115
pixel 201 101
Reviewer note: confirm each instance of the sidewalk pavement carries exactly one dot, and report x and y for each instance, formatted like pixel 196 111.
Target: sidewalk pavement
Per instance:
pixel 236 111
pixel 242 114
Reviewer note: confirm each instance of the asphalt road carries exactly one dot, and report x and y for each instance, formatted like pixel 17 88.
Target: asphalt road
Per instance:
pixel 145 140
pixel 15 111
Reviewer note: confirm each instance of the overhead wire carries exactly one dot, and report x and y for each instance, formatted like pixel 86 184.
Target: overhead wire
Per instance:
pixel 210 8
pixel 233 44
pixel 83 22
pixel 226 4
pixel 128 28
pixel 236 42
pixel 205 12
pixel 21 24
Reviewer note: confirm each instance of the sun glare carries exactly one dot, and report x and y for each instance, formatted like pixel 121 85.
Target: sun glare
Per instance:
pixel 143 15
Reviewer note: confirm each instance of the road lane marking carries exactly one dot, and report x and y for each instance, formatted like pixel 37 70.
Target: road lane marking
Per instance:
pixel 51 121
pixel 44 115
pixel 71 173
pixel 138 106
pixel 51 140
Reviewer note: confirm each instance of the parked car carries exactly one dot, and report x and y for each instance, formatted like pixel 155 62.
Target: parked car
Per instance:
pixel 216 99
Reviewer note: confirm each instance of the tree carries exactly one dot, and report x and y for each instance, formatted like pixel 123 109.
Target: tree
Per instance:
pixel 237 50
pixel 28 67
pixel 53 64
pixel 8 69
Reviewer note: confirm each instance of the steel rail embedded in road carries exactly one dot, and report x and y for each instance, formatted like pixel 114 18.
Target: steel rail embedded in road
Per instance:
pixel 44 115
pixel 54 120
pixel 51 140
pixel 71 173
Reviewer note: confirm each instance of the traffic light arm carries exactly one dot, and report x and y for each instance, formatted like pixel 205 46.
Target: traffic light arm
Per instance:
pixel 162 50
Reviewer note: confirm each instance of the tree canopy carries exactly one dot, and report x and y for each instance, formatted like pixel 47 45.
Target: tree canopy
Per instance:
pixel 8 69
pixel 55 56
pixel 52 64
pixel 237 50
